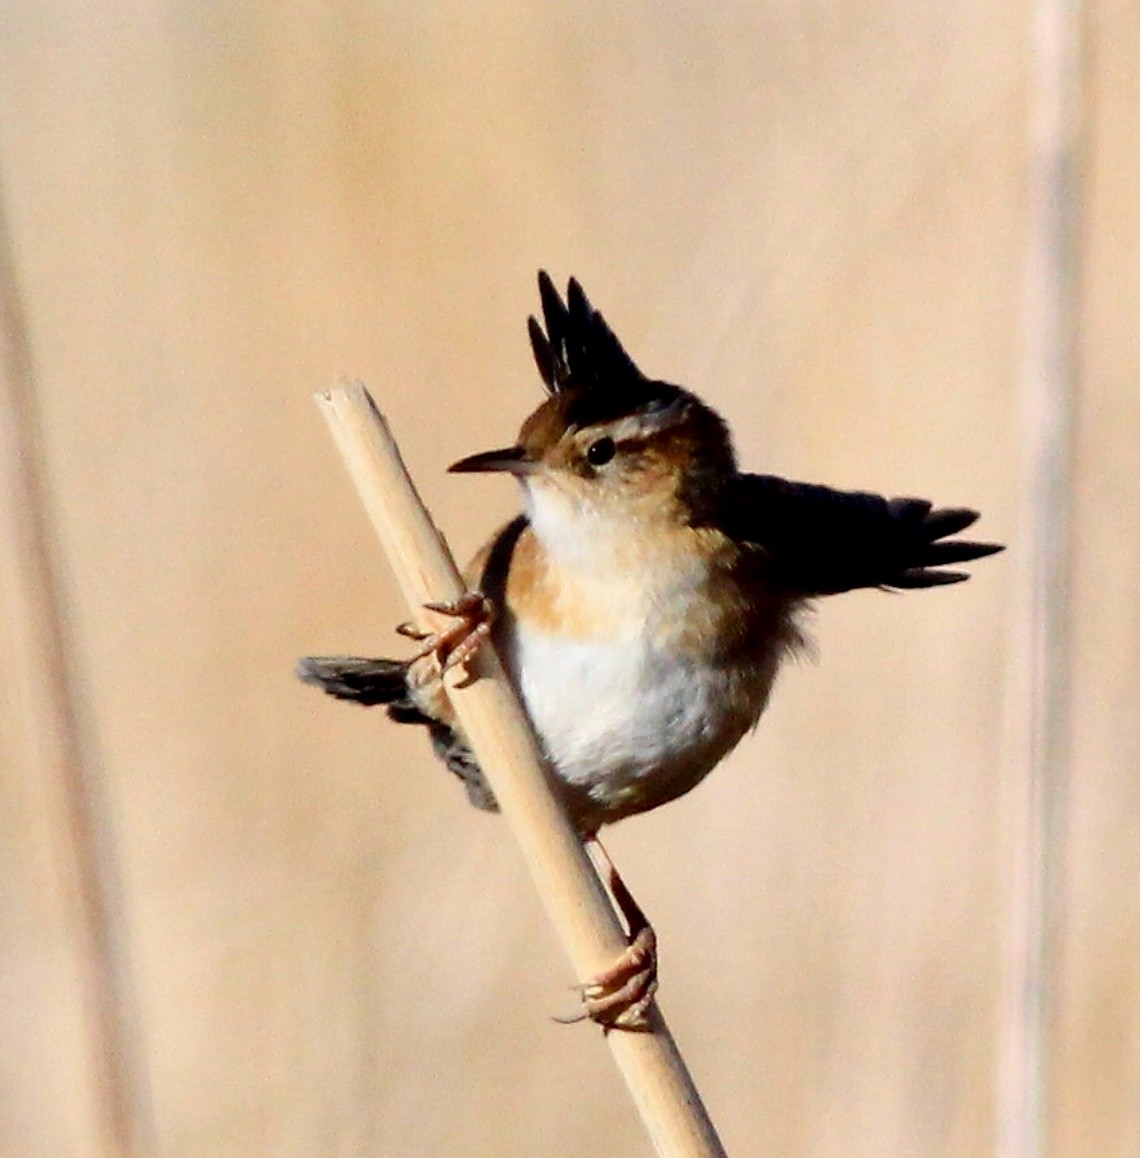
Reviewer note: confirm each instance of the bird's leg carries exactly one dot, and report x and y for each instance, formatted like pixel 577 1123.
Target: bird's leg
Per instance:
pixel 620 996
pixel 455 645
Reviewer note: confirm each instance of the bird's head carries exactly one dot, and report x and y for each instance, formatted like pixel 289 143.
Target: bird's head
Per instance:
pixel 608 444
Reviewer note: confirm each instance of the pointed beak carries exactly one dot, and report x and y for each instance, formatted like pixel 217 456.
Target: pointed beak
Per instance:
pixel 513 459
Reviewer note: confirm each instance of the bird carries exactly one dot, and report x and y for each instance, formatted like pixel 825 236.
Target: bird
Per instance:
pixel 645 598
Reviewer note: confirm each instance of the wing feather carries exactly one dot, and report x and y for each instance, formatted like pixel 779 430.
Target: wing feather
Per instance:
pixel 820 541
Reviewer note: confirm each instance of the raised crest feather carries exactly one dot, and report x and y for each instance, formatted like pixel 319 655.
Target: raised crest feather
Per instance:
pixel 577 350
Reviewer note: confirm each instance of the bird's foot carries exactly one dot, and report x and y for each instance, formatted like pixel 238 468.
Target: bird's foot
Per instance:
pixel 621 996
pixel 453 646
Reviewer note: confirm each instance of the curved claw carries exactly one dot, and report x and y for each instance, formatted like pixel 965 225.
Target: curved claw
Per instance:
pixel 455 646
pixel 620 997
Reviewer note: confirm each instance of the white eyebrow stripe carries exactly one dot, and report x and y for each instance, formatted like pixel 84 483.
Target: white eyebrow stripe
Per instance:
pixel 645 423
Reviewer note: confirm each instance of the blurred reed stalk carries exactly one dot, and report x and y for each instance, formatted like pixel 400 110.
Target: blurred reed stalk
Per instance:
pixel 1040 674
pixel 65 744
pixel 500 736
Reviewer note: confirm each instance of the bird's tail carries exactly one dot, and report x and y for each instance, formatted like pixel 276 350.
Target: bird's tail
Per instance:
pixel 363 681
pixel 385 681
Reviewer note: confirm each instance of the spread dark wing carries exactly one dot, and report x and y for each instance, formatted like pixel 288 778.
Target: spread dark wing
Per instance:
pixel 819 541
pixel 577 350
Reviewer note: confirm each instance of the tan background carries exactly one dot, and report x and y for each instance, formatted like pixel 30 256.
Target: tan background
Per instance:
pixel 812 213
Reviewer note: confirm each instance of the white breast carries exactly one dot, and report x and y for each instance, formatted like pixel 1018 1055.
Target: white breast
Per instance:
pixel 624 710
pixel 632 726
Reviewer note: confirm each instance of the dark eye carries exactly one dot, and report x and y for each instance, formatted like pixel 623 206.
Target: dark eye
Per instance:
pixel 600 452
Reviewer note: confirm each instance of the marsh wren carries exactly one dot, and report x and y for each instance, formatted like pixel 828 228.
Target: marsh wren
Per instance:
pixel 643 602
